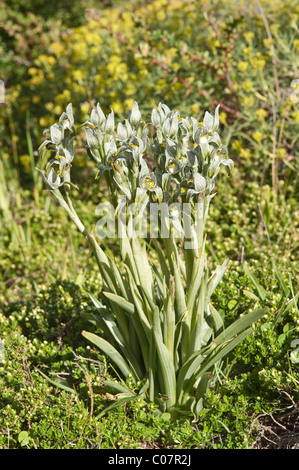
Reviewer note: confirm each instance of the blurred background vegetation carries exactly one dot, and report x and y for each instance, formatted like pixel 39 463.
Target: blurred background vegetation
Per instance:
pixel 191 55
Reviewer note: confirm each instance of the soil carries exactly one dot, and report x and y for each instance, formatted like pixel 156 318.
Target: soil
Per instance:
pixel 278 430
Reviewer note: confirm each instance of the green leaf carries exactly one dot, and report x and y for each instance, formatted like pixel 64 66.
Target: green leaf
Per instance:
pixel 166 365
pixel 117 403
pixel 218 322
pixel 120 302
pixel 23 438
pixel 240 325
pixel 57 383
pixel 118 387
pixel 261 291
pixel 200 364
pixel 111 352
pixel 216 278
pixel 143 266
pixel 118 337
pixel 202 360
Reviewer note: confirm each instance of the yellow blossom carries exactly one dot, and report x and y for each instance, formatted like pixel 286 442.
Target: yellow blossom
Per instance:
pixel 85 108
pixel 130 89
pixel 222 117
pixel 248 101
pixel 36 99
pixel 25 162
pixel 247 85
pixel 49 106
pixel 245 153
pixel 160 15
pixel 242 66
pixel 195 108
pixel 57 48
pixel 43 122
pixel 295 116
pixel 129 103
pixel 117 107
pixel 258 61
pixel 258 136
pixel 248 35
pixel 58 109
pixel 247 50
pixel 268 42
pixel 281 152
pixel 261 114
pixel 237 145
pixel 46 59
pixel 296 44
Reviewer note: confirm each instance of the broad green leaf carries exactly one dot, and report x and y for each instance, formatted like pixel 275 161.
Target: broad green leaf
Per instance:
pixel 200 364
pixel 120 301
pixel 196 277
pixel 216 278
pixel 218 322
pixel 143 266
pixel 118 337
pixel 166 365
pixel 127 256
pixel 239 325
pixel 111 352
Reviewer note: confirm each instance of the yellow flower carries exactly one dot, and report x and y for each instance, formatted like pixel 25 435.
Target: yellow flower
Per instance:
pixel 268 42
pixel 248 101
pixel 281 153
pixel 49 106
pixel 242 66
pixel 296 44
pixel 130 89
pixel 43 122
pixel 295 116
pixel 57 48
pixel 247 50
pixel 36 99
pixel 245 153
pixel 117 107
pixel 247 85
pixel 261 114
pixel 46 59
pixel 249 35
pixel 85 108
pixel 32 71
pixel 25 161
pixel 274 27
pixel 237 145
pixel 222 117
pixel 129 103
pixel 160 15
pixel 58 109
pixel 79 75
pixel 258 62
pixel 258 136
pixel 195 108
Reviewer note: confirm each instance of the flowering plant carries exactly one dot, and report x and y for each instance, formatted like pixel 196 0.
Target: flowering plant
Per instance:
pixel 157 322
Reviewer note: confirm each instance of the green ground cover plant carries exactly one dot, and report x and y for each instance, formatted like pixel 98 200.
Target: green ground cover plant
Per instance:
pixel 54 383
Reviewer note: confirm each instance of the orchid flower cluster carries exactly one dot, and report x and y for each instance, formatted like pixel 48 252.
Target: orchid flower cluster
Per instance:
pixel 180 162
pixel 158 324
pixel 60 141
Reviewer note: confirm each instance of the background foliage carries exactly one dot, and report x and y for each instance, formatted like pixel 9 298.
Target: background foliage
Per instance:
pixel 191 55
